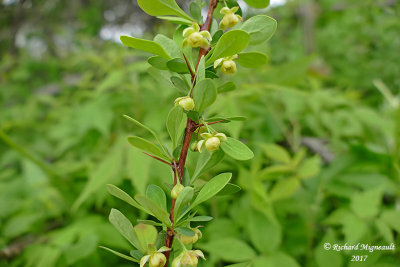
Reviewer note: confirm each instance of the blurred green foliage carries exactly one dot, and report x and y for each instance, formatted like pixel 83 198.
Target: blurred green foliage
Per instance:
pixel 323 120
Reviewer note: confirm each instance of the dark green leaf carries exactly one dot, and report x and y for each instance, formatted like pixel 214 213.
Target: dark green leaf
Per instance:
pixel 168 44
pixel 154 209
pixel 184 197
pixel 117 192
pixel 205 162
pixel 195 11
pixel 177 65
pixel 257 3
pixel 181 85
pixel 158 62
pixel 200 219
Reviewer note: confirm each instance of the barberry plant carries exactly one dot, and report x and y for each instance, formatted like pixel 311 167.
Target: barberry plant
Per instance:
pixel 200 51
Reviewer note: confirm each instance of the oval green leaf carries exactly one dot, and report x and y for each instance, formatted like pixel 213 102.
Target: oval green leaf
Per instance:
pixel 162 8
pixel 236 149
pixel 144 45
pixel 260 28
pixel 204 94
pixel 252 59
pixel 147 146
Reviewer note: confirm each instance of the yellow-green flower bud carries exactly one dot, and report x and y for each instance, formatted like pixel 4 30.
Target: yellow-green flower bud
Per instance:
pixel 212 143
pixel 191 239
pixel 187 103
pixel 189 259
pixel 230 19
pixel 158 259
pixel 176 191
pixel 196 38
pixel 228 67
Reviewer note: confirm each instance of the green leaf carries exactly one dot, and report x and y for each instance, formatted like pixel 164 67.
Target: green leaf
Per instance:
pixel 150 131
pixel 211 188
pixel 252 59
pixel 200 219
pixel 136 254
pixel 125 227
pixel 201 68
pixel 185 231
pixel 204 94
pixel 231 43
pixel 144 45
pixel 147 146
pixel 391 218
pixel 309 168
pixel 260 28
pixel 176 20
pixel 285 188
pixel 147 235
pixel 168 44
pixel 156 194
pixel 205 162
pixel 259 226
pixel 118 193
pixel 154 209
pixel 275 259
pixel 119 254
pixel 226 87
pixel 162 8
pixel 195 11
pixel 180 84
pixel 177 65
pixel 229 249
pixel 211 74
pixel 227 119
pixel 236 149
pixel 174 121
pixel 276 153
pixel 229 189
pixel 366 204
pixel 257 3
pixel 158 62
pixel 149 222
pixel 184 197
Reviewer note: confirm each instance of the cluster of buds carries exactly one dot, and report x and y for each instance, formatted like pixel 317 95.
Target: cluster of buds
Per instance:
pixel 196 38
pixel 211 141
pixel 186 102
pixel 230 19
pixel 176 190
pixel 155 258
pixel 188 258
pixel 187 240
pixel 228 66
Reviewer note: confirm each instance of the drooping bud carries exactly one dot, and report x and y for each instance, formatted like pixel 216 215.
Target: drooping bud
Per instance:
pixel 191 239
pixel 228 67
pixel 188 258
pixel 158 259
pixel 186 102
pixel 212 143
pixel 230 19
pixel 176 191
pixel 196 38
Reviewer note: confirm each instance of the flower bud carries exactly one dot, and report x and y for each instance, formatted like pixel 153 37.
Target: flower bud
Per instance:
pixel 158 259
pixel 229 20
pixel 187 103
pixel 191 239
pixel 196 38
pixel 228 67
pixel 176 190
pixel 212 143
pixel 189 259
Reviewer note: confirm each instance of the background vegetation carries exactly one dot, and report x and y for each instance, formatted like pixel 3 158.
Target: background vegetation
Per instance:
pixel 323 120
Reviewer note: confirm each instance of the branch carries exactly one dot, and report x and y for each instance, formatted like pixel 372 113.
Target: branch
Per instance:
pixel 157 158
pixel 191 126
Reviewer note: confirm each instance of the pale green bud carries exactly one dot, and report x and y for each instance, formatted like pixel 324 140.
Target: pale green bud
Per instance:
pixel 228 67
pixel 176 191
pixel 158 259
pixel 212 143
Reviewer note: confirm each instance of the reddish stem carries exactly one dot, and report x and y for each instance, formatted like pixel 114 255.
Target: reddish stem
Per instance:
pixel 191 126
pixel 157 158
